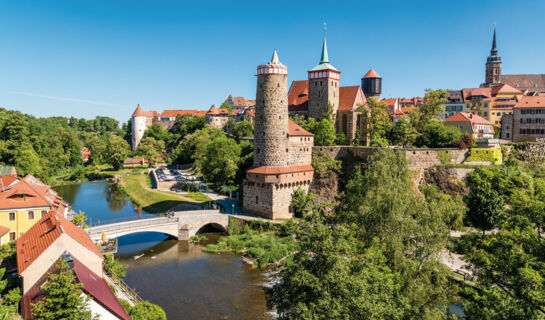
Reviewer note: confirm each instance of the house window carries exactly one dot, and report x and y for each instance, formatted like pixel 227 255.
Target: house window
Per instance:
pixel 44 212
pixel 256 200
pixel 30 215
pixel 11 216
pixel 12 236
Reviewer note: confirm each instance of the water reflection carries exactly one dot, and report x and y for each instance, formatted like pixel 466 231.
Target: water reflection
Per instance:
pixel 190 284
pixel 117 200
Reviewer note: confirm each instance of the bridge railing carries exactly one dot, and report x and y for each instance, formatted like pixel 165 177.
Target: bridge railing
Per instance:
pixel 98 222
pixel 136 224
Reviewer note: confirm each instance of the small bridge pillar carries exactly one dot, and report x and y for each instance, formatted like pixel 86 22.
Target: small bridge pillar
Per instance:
pixel 183 233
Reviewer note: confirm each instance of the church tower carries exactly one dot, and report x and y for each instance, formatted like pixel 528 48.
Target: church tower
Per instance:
pixel 323 87
pixel 271 114
pixel 493 65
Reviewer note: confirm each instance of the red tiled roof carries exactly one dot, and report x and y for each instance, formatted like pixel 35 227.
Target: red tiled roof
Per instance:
pixel 141 113
pixel 504 89
pixel 44 233
pixel 470 92
pixel 250 112
pixel 135 161
pixel 3 230
pixel 371 74
pixel 389 102
pixel 95 286
pixel 531 102
pixel 351 97
pixel 298 96
pixel 174 113
pixel 213 111
pixel 281 170
pixel 7 181
pixel 243 102
pixel 295 130
pixel 22 195
pixel 467 117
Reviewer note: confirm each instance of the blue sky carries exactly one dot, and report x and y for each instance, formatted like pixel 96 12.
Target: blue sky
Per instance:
pixel 88 58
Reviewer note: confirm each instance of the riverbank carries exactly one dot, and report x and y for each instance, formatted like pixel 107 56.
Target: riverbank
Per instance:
pixel 138 189
pixel 95 173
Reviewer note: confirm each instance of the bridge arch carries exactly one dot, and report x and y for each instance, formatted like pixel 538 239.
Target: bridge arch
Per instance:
pixel 211 227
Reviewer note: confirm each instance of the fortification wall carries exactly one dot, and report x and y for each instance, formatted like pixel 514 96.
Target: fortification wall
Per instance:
pixel 418 159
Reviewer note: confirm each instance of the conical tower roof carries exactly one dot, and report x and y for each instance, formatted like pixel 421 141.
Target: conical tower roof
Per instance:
pixel 371 74
pixel 139 112
pixel 324 59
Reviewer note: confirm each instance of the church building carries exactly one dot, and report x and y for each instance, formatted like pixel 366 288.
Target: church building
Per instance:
pixel 321 95
pixel 529 84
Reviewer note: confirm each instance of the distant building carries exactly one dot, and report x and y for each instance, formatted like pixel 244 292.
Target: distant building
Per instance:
pixel 134 162
pixel 474 125
pixel 455 103
pixel 249 115
pixel 217 117
pixel 527 83
pixel 527 123
pixel 141 120
pixel 239 102
pixel 282 149
pixel 23 202
pixel 85 154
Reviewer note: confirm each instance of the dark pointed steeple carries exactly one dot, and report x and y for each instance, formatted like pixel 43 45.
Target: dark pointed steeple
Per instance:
pixel 494 51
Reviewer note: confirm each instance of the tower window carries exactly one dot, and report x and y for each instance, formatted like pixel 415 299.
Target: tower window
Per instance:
pixel 256 199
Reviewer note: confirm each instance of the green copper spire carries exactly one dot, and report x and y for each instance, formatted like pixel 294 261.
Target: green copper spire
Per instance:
pixel 325 58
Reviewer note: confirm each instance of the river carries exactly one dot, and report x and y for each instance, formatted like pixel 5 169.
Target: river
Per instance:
pixel 177 275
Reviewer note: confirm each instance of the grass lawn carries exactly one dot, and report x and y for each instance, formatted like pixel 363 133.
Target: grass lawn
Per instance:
pixel 138 189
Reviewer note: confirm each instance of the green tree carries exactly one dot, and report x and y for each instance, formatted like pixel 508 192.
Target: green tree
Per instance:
pixel 243 129
pixel 403 132
pixel 432 108
pixel 157 132
pixel 27 161
pixel 192 147
pixel 97 146
pixel 117 150
pixel 147 311
pixel 113 267
pixel 221 159
pixel 301 201
pixel 486 208
pixel 80 219
pixel 437 135
pixel 62 298
pixel 150 149
pixel 325 135
pixel 377 120
pixel 226 106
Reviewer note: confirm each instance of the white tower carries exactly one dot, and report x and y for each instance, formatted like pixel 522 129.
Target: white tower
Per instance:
pixel 139 126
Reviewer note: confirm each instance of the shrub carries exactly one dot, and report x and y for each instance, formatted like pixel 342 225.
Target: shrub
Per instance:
pixel 492 155
pixel 444 156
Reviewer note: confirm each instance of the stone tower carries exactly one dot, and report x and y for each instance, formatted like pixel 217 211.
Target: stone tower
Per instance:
pixel 371 84
pixel 271 114
pixel 323 87
pixel 493 65
pixel 282 149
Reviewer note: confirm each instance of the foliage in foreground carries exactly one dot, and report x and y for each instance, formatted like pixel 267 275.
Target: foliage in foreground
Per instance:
pixel 114 267
pixel 63 298
pixel 146 311
pixel 376 259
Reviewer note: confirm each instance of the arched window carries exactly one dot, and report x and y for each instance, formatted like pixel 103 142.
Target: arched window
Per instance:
pixel 256 200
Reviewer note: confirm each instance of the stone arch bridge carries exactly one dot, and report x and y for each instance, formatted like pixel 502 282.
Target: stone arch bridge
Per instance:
pixel 182 226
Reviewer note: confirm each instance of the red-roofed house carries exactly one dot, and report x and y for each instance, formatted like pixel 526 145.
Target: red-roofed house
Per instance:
pixel 102 302
pixel 40 247
pixel 23 202
pixel 217 117
pixel 239 102
pixel 469 123
pixel 85 153
pixel 527 123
